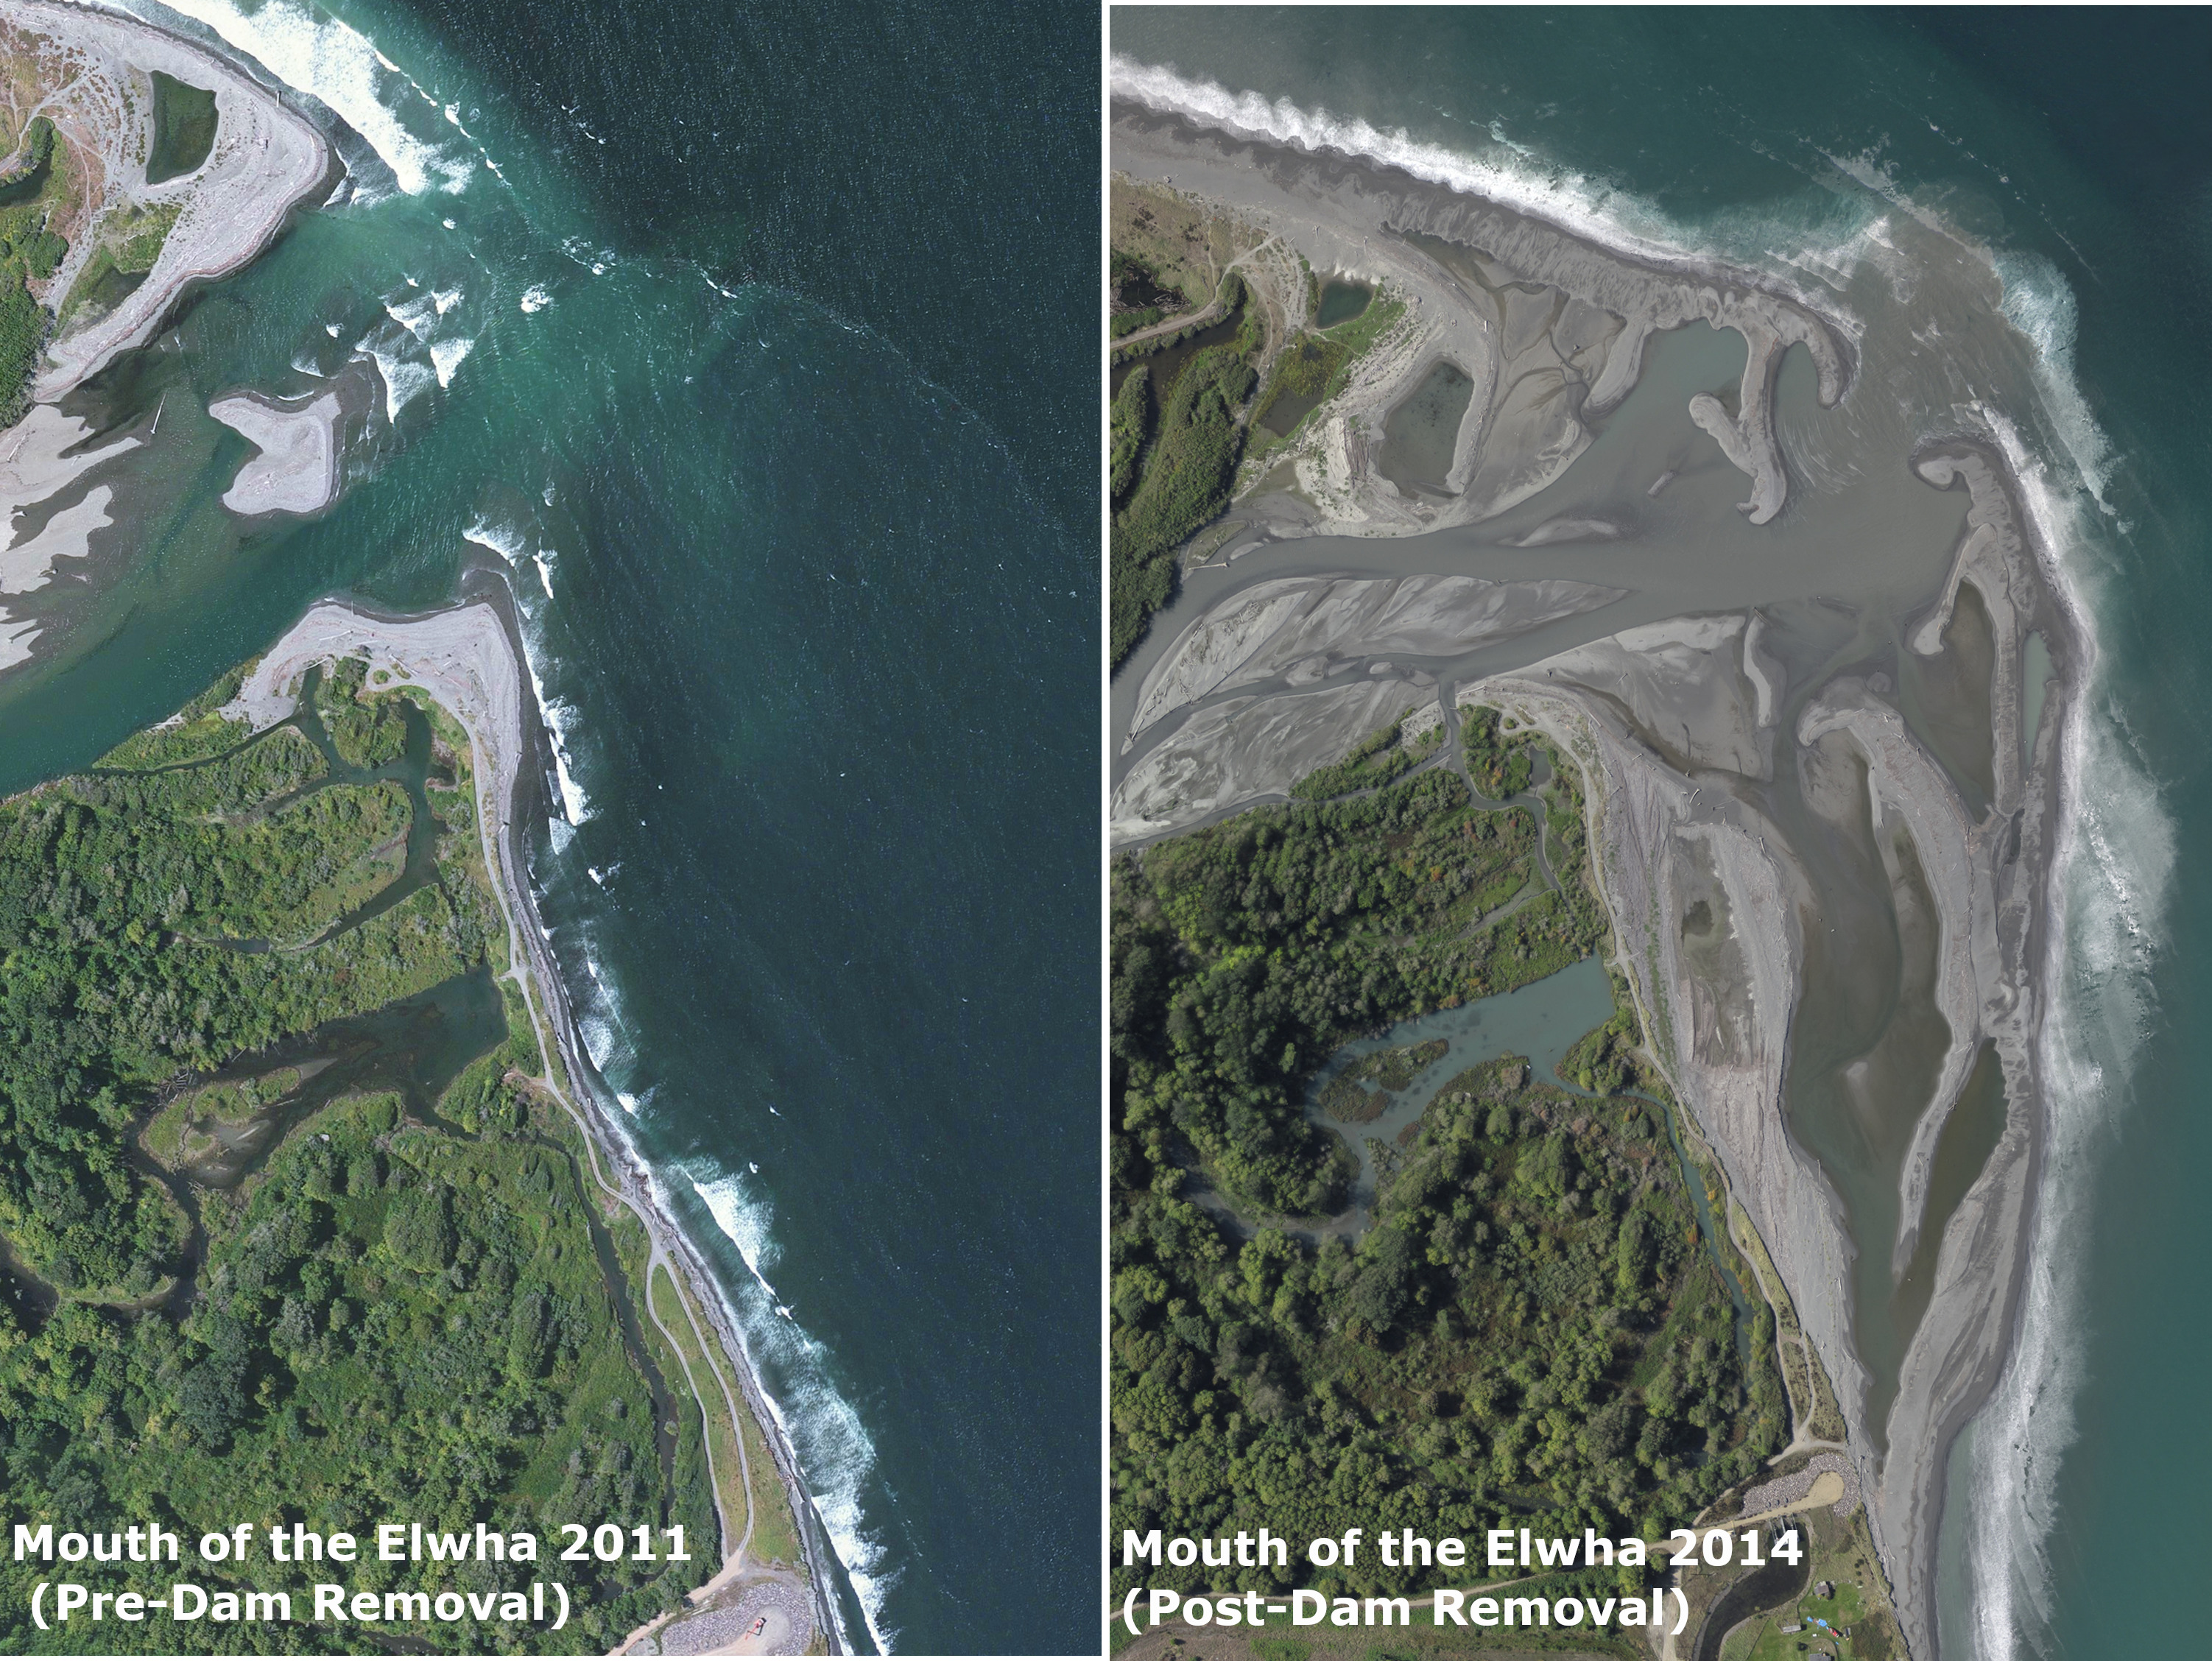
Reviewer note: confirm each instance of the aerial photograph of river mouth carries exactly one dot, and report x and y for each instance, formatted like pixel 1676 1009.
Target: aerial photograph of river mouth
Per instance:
pixel 537 832
pixel 1615 736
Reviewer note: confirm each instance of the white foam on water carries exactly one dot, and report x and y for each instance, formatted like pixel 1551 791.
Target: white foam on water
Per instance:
pixel 559 720
pixel 535 298
pixel 343 69
pixel 600 1040
pixel 445 299
pixel 417 316
pixel 1591 207
pixel 448 356
pixel 2039 303
pixel 2112 876
pixel 502 539
pixel 1515 175
pixel 836 1453
pixel 403 381
pixel 744 1221
pixel 306 365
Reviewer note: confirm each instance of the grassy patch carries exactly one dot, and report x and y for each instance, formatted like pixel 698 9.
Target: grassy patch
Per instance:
pixel 705 1382
pixel 1185 482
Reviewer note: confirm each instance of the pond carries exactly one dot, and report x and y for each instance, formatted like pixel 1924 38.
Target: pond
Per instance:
pixel 184 128
pixel 1340 302
pixel 1287 408
pixel 1541 1020
pixel 1422 434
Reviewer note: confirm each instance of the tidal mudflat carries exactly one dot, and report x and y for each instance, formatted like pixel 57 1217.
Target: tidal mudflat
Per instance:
pixel 1757 556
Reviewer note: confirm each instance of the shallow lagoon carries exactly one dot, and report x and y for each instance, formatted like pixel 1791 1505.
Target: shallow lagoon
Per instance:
pixel 1541 1020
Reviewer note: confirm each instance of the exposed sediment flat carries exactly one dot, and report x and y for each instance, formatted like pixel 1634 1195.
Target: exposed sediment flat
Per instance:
pixel 1241 750
pixel 267 161
pixel 41 458
pixel 1904 782
pixel 1304 628
pixel 295 470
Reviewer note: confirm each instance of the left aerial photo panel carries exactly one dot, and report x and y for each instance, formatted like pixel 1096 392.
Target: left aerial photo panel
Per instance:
pixel 549 895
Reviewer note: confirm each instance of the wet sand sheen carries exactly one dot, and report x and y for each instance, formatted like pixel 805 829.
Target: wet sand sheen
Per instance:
pixel 1423 432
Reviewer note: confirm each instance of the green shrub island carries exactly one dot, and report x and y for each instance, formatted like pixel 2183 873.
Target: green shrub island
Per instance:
pixel 1529 1331
pixel 1184 474
pixel 305 1294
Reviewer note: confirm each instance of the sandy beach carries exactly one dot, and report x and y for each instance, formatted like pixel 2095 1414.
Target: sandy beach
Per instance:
pixel 296 469
pixel 466 659
pixel 267 161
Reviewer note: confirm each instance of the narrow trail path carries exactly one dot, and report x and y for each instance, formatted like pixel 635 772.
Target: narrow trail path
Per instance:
pixel 1212 311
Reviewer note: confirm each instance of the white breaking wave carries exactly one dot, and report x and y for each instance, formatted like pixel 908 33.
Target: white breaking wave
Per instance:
pixel 2040 305
pixel 417 316
pixel 2111 873
pixel 446 356
pixel 535 298
pixel 835 1452
pixel 402 380
pixel 502 539
pixel 1591 207
pixel 343 69
pixel 560 717
pixel 1515 175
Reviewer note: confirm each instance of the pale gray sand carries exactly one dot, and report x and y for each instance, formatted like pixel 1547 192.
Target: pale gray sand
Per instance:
pixel 1763 807
pixel 66 535
pixel 41 458
pixel 1303 629
pixel 295 470
pixel 1244 749
pixel 267 161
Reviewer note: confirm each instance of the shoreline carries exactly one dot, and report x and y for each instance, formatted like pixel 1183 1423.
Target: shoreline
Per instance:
pixel 268 160
pixel 468 658
pixel 1369 218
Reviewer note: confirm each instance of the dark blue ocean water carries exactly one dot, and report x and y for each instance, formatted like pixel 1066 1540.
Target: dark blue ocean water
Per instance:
pixel 2076 149
pixel 741 342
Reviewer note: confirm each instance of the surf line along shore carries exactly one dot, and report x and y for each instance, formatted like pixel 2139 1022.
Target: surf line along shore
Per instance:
pixel 468 659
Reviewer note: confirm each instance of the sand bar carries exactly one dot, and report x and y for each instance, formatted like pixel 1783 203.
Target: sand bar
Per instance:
pixel 267 161
pixel 296 470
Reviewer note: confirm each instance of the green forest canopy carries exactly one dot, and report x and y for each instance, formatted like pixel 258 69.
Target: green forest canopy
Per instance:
pixel 409 1311
pixel 1529 1334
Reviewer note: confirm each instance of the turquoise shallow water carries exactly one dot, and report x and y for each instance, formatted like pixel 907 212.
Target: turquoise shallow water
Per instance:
pixel 2073 146
pixel 701 328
